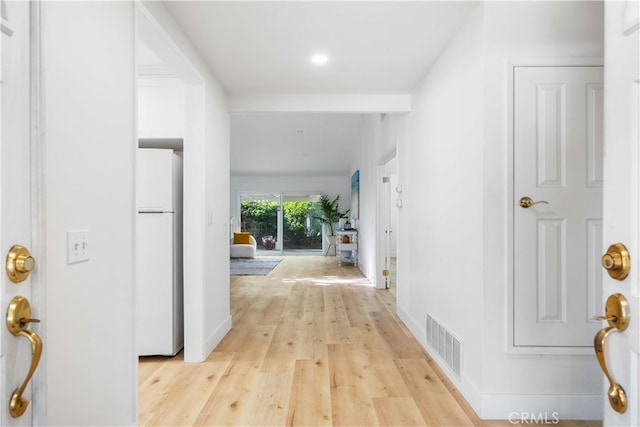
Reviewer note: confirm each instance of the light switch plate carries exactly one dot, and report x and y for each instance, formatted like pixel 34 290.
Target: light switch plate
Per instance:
pixel 77 246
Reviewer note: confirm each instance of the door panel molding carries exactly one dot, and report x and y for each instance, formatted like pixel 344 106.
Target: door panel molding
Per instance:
pixel 551 283
pixel 551 135
pixel 595 141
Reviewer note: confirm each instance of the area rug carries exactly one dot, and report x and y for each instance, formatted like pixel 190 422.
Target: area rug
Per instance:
pixel 253 266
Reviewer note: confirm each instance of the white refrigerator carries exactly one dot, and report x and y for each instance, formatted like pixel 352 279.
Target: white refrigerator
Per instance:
pixel 159 295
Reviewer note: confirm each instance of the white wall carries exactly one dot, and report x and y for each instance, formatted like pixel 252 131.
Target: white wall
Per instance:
pixel 160 107
pixel 206 209
pixel 440 167
pixel 551 33
pixel 366 162
pixel 90 140
pixel 455 169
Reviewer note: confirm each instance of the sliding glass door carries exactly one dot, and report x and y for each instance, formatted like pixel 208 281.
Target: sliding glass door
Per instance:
pixel 288 223
pixel 302 228
pixel 261 215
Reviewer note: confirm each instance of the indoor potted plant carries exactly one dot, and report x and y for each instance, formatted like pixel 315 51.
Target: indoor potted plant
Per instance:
pixel 330 216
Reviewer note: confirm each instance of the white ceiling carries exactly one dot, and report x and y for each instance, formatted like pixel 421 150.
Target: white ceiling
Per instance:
pixel 293 143
pixel 260 47
pixel 266 46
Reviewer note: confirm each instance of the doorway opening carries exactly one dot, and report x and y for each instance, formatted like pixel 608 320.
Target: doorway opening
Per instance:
pixel 170 116
pixel 389 195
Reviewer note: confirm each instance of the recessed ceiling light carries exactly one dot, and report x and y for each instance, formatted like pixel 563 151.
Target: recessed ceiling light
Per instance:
pixel 319 59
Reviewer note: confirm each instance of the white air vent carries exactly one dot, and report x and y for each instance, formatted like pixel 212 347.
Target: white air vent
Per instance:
pixel 447 346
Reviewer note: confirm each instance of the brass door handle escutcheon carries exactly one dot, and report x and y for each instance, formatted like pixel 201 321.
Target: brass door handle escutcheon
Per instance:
pixel 527 202
pixel 617 315
pixel 18 319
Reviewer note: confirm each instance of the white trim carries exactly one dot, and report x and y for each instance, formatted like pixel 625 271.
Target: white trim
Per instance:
pixel 631 20
pixel 381 201
pixel 416 330
pixel 565 407
pixel 387 157
pixel 194 220
pixel 216 337
pixel 509 68
pixel 38 205
pixel 154 71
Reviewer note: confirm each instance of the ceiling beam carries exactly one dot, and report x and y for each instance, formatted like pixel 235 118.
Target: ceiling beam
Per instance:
pixel 320 103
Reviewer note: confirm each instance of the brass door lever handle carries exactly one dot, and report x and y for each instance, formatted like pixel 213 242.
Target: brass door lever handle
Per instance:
pixel 616 394
pixel 617 315
pixel 18 319
pixel 527 202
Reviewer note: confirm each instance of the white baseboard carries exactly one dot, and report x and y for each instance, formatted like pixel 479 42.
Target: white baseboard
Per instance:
pixel 516 407
pixel 217 335
pixel 416 329
pixel 547 407
pixel 200 354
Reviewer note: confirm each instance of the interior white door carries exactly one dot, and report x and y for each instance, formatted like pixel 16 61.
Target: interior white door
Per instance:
pixel 387 228
pixel 16 352
pixel 558 205
pixel 382 238
pixel 622 199
pixel 389 218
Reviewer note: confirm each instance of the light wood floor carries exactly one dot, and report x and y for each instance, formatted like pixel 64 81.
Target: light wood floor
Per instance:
pixel 312 344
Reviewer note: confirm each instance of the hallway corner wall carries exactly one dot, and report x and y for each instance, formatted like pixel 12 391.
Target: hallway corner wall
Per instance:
pixel 440 168
pixel 454 169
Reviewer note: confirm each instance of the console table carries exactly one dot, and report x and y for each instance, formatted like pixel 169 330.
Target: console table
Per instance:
pixel 347 250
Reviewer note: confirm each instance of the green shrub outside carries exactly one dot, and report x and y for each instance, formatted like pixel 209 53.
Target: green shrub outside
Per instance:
pixel 300 229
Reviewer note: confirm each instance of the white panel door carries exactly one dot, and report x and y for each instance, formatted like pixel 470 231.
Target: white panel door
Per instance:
pixel 16 213
pixel 557 240
pixel 621 215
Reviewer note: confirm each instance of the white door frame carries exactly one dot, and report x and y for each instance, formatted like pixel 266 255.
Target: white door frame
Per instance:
pixel 383 201
pixel 621 223
pixel 38 187
pixel 509 72
pixel 38 226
